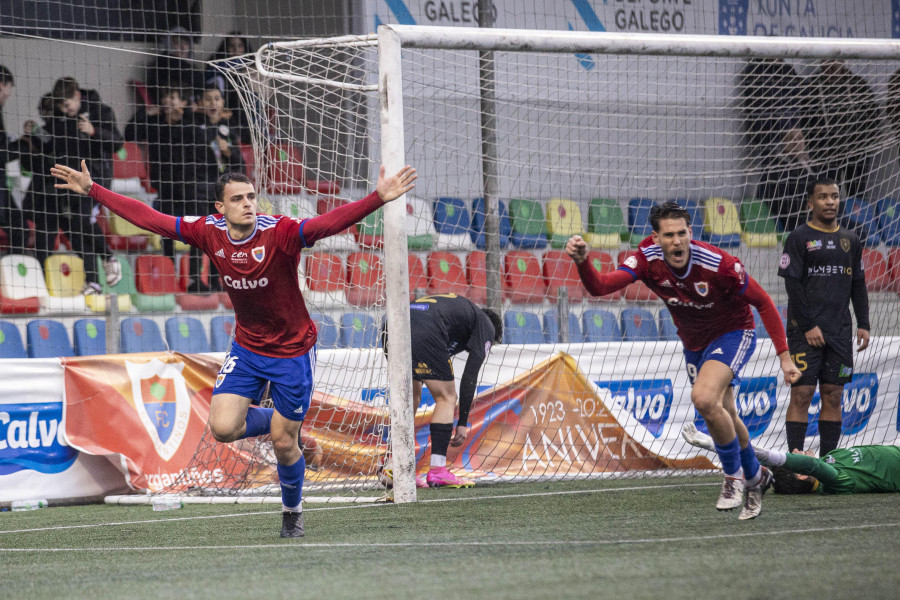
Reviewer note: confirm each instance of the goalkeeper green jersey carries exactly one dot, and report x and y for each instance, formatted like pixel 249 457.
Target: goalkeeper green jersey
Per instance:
pixel 861 470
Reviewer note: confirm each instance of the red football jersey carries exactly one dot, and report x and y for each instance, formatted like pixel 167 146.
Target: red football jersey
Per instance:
pixel 260 275
pixel 706 301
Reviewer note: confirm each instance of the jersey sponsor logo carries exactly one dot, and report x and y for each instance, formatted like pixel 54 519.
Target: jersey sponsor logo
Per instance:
pixel 239 257
pixel 220 253
pixel 32 438
pixel 756 403
pixel 631 262
pixel 245 284
pixel 858 402
pixel 677 302
pixel 845 245
pixel 785 261
pixel 162 402
pixel 418 307
pixel 190 219
pixel 258 253
pixel 648 400
pixel 825 270
pixel 813 245
pixel 701 288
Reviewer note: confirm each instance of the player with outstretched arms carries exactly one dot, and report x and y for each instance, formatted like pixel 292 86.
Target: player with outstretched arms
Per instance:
pixel 257 256
pixel 709 294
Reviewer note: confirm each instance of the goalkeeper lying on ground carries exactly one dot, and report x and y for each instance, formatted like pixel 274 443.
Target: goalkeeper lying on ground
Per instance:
pixel 854 470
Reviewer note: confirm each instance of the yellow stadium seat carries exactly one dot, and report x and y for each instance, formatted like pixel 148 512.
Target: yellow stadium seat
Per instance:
pixel 722 223
pixel 64 274
pixel 563 221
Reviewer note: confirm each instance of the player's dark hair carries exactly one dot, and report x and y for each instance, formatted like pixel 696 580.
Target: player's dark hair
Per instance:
pixel 787 482
pixel 64 88
pixel 226 178
pixel 817 181
pixel 668 210
pixel 497 322
pixel 6 75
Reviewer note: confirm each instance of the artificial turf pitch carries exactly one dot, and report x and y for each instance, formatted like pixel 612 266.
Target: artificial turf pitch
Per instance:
pixel 637 538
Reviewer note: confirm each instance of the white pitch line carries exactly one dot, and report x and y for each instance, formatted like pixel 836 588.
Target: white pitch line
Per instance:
pixel 689 538
pixel 358 506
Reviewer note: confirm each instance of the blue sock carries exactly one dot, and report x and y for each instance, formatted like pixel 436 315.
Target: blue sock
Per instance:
pixel 259 421
pixel 749 463
pixel 730 455
pixel 291 478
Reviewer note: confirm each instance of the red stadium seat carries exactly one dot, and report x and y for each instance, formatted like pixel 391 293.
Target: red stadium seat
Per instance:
pixel 604 263
pixel 249 159
pixel 523 282
pixel 21 306
pixel 894 269
pixel 877 272
pixel 637 291
pixel 446 274
pixel 325 272
pixel 476 277
pixel 190 301
pixel 418 281
pixel 365 281
pixel 560 271
pixel 285 169
pixel 130 163
pixel 154 275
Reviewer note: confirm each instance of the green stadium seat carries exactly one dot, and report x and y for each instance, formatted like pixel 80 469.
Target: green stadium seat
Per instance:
pixel 606 224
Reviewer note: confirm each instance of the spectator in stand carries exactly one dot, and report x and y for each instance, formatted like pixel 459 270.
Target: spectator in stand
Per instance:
pixel 231 56
pixel 82 126
pixel 848 131
pixel 175 67
pixel 11 218
pixel 219 117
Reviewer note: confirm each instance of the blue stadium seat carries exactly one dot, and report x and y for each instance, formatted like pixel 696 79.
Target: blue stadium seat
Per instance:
pixel 220 331
pixel 522 327
pixel 452 224
pixel 11 345
pixel 888 210
pixel 600 326
pixel 859 216
pixel 90 337
pixel 551 328
pixel 639 219
pixel 667 329
pixel 140 334
pixel 358 330
pixel 638 325
pixel 477 231
pixel 186 334
pixel 696 214
pixel 328 331
pixel 47 339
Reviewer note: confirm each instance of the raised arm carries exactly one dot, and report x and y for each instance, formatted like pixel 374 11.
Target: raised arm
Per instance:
pixel 595 283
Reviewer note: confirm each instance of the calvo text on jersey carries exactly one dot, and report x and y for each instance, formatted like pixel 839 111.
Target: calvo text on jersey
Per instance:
pixel 245 284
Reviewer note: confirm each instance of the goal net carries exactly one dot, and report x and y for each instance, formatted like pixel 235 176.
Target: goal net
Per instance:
pixel 555 134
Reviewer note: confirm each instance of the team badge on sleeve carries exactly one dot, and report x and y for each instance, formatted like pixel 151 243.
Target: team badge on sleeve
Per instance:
pixel 190 219
pixel 631 262
pixel 258 253
pixel 785 261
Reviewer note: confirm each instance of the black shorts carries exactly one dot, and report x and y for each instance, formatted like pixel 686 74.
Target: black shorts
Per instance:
pixel 430 357
pixel 831 364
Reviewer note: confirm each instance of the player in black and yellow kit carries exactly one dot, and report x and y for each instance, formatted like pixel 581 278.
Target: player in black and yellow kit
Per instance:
pixel 822 270
pixel 442 325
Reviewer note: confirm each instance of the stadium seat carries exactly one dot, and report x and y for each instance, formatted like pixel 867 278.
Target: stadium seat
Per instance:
pixel 124 290
pixel 637 291
pixel 526 218
pixel 186 335
pixel 603 263
pixel 358 330
pixel 47 339
pixel 894 269
pixel 131 172
pixel 140 334
pixel 722 224
pixel 122 243
pixel 638 325
pixel 667 329
pixel 476 277
pixel 859 216
pixel 551 329
pixel 90 337
pixel 189 300
pixel 563 221
pixel 522 327
pixel 452 224
pixel 478 215
pixel 64 274
pixel 23 288
pixel 341 242
pixel 11 345
pixel 221 328
pixel 370 231
pixel 420 231
pixel 606 224
pixel 325 280
pixel 446 274
pixel 155 283
pixel 696 215
pixel 523 282
pixel 365 282
pixel 759 228
pixel 877 272
pixel 560 271
pixel 418 281
pixel 328 331
pixel 285 169
pixel 888 210
pixel 639 219
pixel 600 326
pixel 249 159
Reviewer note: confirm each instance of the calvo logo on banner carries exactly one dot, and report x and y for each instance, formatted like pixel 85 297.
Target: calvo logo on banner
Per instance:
pixel 647 400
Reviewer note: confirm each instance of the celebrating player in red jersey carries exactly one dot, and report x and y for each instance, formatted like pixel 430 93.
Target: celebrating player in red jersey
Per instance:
pixel 709 293
pixel 257 257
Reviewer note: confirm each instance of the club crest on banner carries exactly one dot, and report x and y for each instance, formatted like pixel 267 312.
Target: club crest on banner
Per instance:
pixel 702 288
pixel 258 253
pixel 162 402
